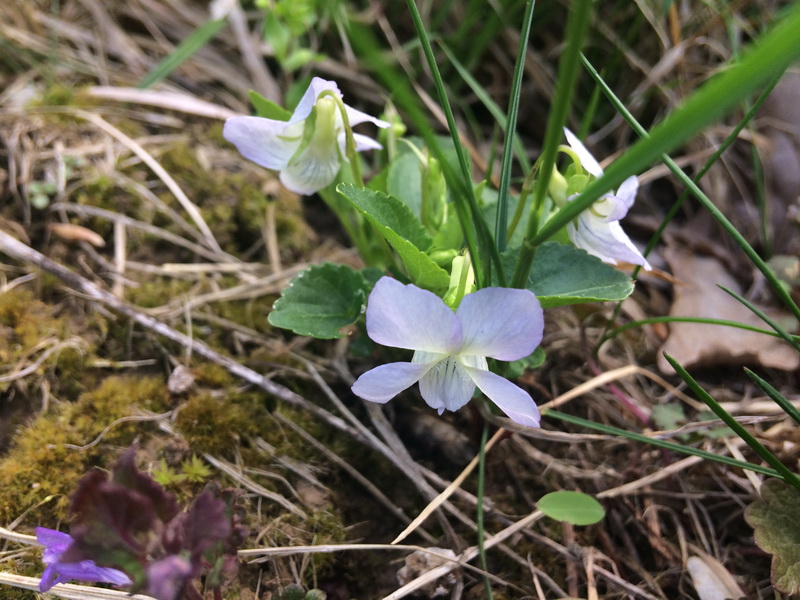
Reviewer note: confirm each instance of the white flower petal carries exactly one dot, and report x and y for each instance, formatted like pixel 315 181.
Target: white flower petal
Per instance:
pixel 588 161
pixel 446 386
pixel 383 383
pixel 504 323
pixel 364 142
pixel 511 399
pixel 605 240
pixel 356 116
pixel 627 192
pixel 266 142
pixel 405 316
pixel 315 168
pixel 309 99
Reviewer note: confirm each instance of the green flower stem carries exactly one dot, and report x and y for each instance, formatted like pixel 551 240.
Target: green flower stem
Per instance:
pixel 350 142
pixel 768 457
pixel 501 219
pixel 568 69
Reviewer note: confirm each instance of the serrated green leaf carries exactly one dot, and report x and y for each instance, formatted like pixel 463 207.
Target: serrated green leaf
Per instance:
pixel 267 109
pixel 573 507
pixel 775 519
pixel 320 301
pixel 398 226
pixel 562 274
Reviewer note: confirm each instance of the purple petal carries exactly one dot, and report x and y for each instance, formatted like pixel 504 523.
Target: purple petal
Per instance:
pixel 606 240
pixel 264 141
pixel 166 578
pixel 309 99
pixel 446 386
pixel 504 323
pixel 49 579
pixel 405 316
pixel 511 399
pixel 55 543
pixel 588 161
pixel 383 383
pixel 87 570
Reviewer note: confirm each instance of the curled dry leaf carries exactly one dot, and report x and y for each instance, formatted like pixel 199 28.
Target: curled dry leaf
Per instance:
pixel 711 579
pixel 77 233
pixel 420 562
pixel 697 295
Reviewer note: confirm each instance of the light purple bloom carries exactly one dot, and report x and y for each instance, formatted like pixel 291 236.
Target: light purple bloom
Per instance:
pixel 450 348
pixel 307 151
pixel 55 544
pixel 597 229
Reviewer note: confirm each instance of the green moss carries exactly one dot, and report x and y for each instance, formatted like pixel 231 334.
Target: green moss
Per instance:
pixel 25 322
pixel 218 424
pixel 41 469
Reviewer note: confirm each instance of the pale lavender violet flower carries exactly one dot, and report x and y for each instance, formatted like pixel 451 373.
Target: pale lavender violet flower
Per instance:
pixel 307 160
pixel 450 348
pixel 55 544
pixel 597 229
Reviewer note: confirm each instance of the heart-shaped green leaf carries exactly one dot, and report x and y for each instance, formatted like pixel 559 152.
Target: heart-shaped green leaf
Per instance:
pixel 320 301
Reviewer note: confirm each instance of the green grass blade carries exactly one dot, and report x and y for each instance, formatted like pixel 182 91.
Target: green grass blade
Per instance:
pixel 691 187
pixel 722 322
pixel 768 457
pixel 787 407
pixel 488 103
pixel 763 316
pixel 680 448
pixel 184 51
pixel 374 58
pixel 501 220
pixel 769 56
pixel 488 249
pixel 568 69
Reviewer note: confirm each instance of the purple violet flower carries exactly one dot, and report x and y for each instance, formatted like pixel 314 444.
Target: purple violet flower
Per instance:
pixel 55 544
pixel 306 151
pixel 597 229
pixel 450 348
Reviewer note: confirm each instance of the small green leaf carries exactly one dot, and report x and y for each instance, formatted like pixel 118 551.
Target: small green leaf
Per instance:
pixel 775 519
pixel 532 361
pixel 395 222
pixel 267 109
pixel 320 301
pixel 668 416
pixel 573 507
pixel 562 274
pixel 404 181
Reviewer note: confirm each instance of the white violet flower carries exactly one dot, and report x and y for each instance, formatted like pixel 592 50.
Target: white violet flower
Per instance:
pixel 307 149
pixel 597 229
pixel 450 348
